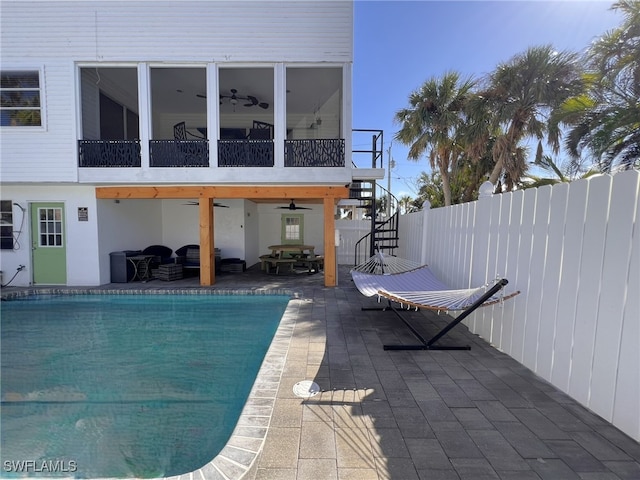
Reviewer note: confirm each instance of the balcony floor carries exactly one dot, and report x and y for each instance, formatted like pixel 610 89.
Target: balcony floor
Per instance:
pixel 406 415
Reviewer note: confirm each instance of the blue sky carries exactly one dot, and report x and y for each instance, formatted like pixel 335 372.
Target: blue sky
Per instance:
pixel 400 44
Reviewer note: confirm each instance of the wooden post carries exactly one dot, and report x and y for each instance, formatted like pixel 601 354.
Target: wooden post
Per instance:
pixel 330 274
pixel 207 265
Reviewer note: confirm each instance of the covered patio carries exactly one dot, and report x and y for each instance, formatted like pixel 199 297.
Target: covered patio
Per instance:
pixel 325 195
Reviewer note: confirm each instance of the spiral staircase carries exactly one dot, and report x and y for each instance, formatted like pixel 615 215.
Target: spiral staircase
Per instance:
pixel 378 205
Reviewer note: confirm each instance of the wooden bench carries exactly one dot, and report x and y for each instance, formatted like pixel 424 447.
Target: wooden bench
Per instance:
pixel 268 261
pixel 314 262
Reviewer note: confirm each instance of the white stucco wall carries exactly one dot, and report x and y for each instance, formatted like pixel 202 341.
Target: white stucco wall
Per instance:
pixel 270 225
pixel 81 237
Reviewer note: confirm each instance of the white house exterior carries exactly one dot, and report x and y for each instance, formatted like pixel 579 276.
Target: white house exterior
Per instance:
pixel 123 122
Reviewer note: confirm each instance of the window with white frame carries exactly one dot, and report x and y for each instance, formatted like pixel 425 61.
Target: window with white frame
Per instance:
pixel 292 228
pixel 20 104
pixel 6 225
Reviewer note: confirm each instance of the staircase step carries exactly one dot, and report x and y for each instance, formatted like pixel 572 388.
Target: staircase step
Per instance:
pixel 361 189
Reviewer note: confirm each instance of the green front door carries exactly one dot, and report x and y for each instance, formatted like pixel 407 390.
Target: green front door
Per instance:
pixel 48 242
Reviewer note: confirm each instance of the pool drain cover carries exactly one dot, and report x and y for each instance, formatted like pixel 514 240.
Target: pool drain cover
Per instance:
pixel 306 389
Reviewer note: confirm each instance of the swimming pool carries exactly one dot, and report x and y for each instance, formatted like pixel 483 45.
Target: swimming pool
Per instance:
pixel 127 385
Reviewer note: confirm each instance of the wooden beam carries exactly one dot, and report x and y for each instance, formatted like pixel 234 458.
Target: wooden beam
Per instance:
pixel 286 192
pixel 328 194
pixel 330 274
pixel 207 260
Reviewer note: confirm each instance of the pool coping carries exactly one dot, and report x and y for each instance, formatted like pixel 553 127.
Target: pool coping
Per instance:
pixel 243 448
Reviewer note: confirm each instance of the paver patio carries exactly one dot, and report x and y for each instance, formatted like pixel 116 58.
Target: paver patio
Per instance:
pixel 406 415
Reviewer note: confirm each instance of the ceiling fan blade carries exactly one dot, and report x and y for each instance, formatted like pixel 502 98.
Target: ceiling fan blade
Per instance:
pixel 215 204
pixel 201 95
pixel 292 206
pixel 263 105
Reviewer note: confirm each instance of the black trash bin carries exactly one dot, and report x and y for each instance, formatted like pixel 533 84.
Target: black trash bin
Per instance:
pixel 122 271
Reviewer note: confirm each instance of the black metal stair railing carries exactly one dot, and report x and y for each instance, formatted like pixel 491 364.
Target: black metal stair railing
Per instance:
pixel 382 208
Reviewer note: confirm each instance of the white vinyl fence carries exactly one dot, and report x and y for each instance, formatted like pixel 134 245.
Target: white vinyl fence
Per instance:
pixel 573 250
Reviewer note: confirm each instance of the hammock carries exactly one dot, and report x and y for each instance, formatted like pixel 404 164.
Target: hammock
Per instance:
pixel 380 264
pixel 420 288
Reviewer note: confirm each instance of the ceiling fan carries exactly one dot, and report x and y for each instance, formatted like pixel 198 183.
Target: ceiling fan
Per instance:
pixel 215 204
pixel 292 206
pixel 234 98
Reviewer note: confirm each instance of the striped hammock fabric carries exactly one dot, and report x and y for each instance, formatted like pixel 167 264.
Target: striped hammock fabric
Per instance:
pixel 381 264
pixel 420 288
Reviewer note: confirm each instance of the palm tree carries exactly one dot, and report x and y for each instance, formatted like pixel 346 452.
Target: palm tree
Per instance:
pixel 605 120
pixel 560 173
pixel 521 95
pixel 406 203
pixel 431 124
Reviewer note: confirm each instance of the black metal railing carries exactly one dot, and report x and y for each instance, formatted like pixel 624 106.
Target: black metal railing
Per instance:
pixel 328 152
pixel 245 153
pixel 178 153
pixel 109 153
pixel 383 210
pixel 195 153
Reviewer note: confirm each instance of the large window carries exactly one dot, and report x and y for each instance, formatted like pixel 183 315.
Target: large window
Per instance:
pixel 21 99
pixel 314 102
pixel 6 225
pixel 109 103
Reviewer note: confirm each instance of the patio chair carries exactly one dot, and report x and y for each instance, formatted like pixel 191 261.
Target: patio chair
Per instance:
pixel 161 253
pixel 420 288
pixel 180 132
pixel 189 257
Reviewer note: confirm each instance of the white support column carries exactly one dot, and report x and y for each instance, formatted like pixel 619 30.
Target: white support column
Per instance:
pixel 279 114
pixel 345 114
pixel 213 110
pixel 144 109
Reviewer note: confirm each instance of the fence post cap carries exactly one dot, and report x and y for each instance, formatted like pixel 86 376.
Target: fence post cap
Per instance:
pixel 486 189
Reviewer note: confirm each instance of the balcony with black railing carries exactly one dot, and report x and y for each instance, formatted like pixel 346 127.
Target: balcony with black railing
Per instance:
pixel 245 153
pixel 325 152
pixel 178 153
pixel 109 153
pixel 195 153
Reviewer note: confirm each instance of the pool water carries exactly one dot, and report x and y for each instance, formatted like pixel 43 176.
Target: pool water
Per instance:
pixel 127 385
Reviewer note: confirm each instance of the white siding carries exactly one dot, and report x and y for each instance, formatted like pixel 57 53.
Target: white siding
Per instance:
pixel 186 31
pixel 45 154
pixel 55 36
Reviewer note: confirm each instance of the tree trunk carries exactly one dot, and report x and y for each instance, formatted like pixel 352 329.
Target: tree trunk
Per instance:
pixel 495 174
pixel 446 186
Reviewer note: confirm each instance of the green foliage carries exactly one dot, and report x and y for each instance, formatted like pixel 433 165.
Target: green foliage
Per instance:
pixel 604 119
pixel 432 125
pixel 472 130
